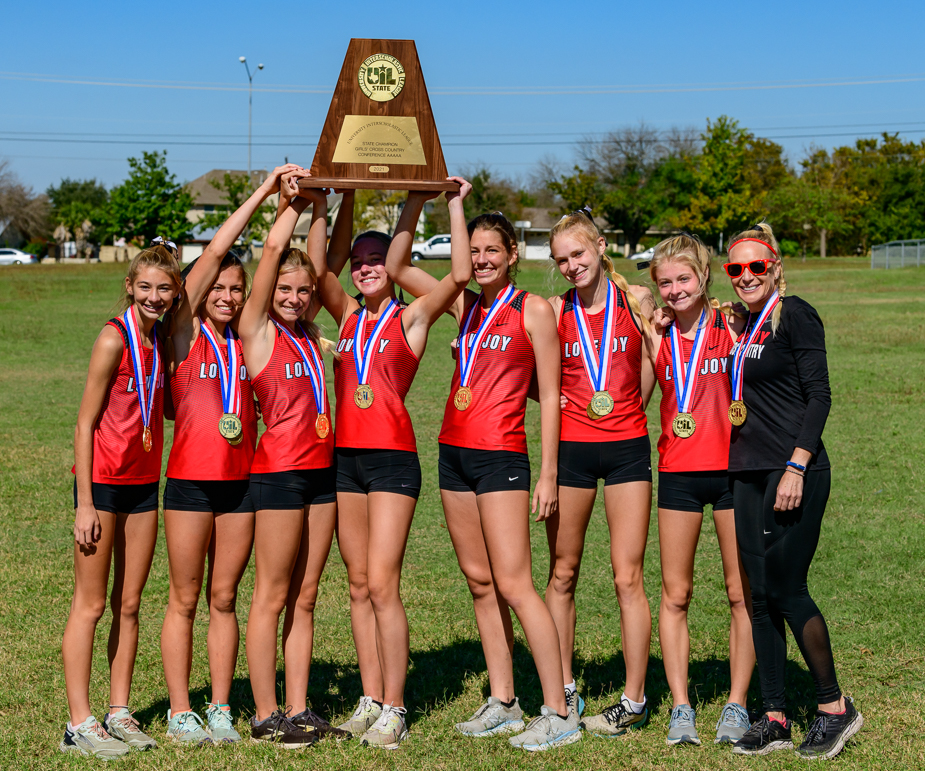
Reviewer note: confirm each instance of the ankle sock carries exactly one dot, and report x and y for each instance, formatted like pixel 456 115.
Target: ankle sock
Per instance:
pixel 377 703
pixel 782 722
pixel 509 704
pixel 571 687
pixel 636 706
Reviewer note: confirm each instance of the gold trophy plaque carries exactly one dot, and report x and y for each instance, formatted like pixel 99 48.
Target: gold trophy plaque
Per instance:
pixel 380 131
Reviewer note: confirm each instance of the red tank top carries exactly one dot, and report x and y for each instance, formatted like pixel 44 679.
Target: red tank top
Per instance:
pixel 708 448
pixel 500 381
pixel 119 457
pixel 385 424
pixel 199 451
pixel 287 406
pixel 628 418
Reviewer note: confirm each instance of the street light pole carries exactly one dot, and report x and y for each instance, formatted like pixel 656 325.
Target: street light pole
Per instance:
pixel 250 110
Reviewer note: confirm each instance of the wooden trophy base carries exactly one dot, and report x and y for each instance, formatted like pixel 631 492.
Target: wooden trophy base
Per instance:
pixel 380 132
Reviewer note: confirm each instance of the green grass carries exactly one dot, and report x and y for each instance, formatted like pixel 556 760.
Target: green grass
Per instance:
pixel 867 576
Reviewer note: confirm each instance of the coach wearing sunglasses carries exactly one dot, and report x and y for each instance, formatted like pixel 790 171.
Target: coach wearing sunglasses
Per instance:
pixel 781 479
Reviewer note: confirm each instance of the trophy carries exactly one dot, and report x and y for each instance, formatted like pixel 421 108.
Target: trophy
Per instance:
pixel 380 131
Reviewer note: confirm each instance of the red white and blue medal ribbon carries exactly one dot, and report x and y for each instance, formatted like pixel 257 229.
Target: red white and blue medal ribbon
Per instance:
pixel 738 358
pixel 144 387
pixel 597 361
pixel 230 425
pixel 469 345
pixel 685 377
pixel 363 355
pixel 315 370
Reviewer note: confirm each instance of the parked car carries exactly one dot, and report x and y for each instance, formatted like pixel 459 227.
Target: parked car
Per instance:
pixel 16 257
pixel 646 255
pixel 435 248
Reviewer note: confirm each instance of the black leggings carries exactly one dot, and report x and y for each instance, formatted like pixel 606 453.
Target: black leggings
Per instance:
pixel 777 548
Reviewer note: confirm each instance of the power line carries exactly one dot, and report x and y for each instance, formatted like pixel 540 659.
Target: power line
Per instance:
pixel 569 90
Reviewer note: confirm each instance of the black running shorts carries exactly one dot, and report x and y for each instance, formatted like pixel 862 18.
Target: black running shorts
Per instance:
pixel 692 490
pixel 219 497
pixel 581 464
pixel 464 470
pixel 378 471
pixel 286 490
pixel 123 499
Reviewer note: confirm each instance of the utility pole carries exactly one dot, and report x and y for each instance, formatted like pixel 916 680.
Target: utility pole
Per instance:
pixel 250 111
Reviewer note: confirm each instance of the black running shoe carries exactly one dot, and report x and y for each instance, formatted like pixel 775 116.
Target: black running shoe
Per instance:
pixel 309 721
pixel 828 733
pixel 280 729
pixel 764 736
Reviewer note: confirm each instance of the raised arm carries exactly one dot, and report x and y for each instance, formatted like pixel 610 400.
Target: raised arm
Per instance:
pixel 205 270
pixel 409 277
pixel 255 316
pixel 447 295
pixel 540 325
pixel 341 234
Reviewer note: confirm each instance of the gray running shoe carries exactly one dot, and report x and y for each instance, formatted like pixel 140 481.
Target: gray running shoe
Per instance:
pixel 548 731
pixel 682 730
pixel 493 718
pixel 366 713
pixel 388 731
pixel 187 728
pixel 732 724
pixel 616 720
pixel 221 724
pixel 90 738
pixel 122 726
pixel 574 702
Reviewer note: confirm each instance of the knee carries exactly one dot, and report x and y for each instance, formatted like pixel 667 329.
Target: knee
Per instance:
pixel 628 582
pixel 125 605
pixel 305 603
pixel 677 599
pixel 564 579
pixel 514 591
pixel 89 609
pixel 382 594
pixel 223 601
pixel 359 589
pixel 183 605
pixel 481 585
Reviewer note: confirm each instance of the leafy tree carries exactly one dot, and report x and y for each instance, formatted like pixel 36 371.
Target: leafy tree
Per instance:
pixel 81 207
pixel 149 203
pixel 236 189
pixel 723 198
pixel 377 210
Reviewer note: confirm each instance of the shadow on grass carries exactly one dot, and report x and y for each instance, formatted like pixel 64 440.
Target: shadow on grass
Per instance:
pixel 437 677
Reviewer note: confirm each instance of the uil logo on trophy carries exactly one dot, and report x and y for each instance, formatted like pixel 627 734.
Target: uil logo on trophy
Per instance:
pixel 380 132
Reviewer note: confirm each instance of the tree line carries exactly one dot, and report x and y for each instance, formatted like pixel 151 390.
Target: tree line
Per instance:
pixel 713 182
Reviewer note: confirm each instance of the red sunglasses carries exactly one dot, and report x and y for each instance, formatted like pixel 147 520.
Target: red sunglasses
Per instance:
pixel 755 267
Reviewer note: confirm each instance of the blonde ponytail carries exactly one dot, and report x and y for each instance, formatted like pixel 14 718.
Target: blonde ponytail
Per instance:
pixel 762 232
pixel 620 280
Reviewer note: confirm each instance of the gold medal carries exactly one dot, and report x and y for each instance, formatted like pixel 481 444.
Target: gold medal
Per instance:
pixel 147 440
pixel 737 413
pixel 462 398
pixel 322 425
pixel 601 404
pixel 683 425
pixel 230 427
pixel 363 397
pixel 591 413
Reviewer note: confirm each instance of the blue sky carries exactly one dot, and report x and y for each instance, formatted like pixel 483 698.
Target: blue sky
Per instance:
pixel 539 76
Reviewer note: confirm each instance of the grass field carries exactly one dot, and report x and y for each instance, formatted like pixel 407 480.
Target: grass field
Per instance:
pixel 867 576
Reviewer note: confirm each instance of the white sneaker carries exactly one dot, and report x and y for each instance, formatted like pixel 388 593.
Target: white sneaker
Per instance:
pixel 122 726
pixel 388 731
pixel 493 718
pixel 548 731
pixel 366 713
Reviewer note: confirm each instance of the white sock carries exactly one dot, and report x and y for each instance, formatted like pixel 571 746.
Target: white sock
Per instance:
pixel 70 726
pixel 636 706
pixel 571 687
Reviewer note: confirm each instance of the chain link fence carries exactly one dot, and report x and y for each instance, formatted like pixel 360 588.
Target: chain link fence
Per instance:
pixel 898 254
